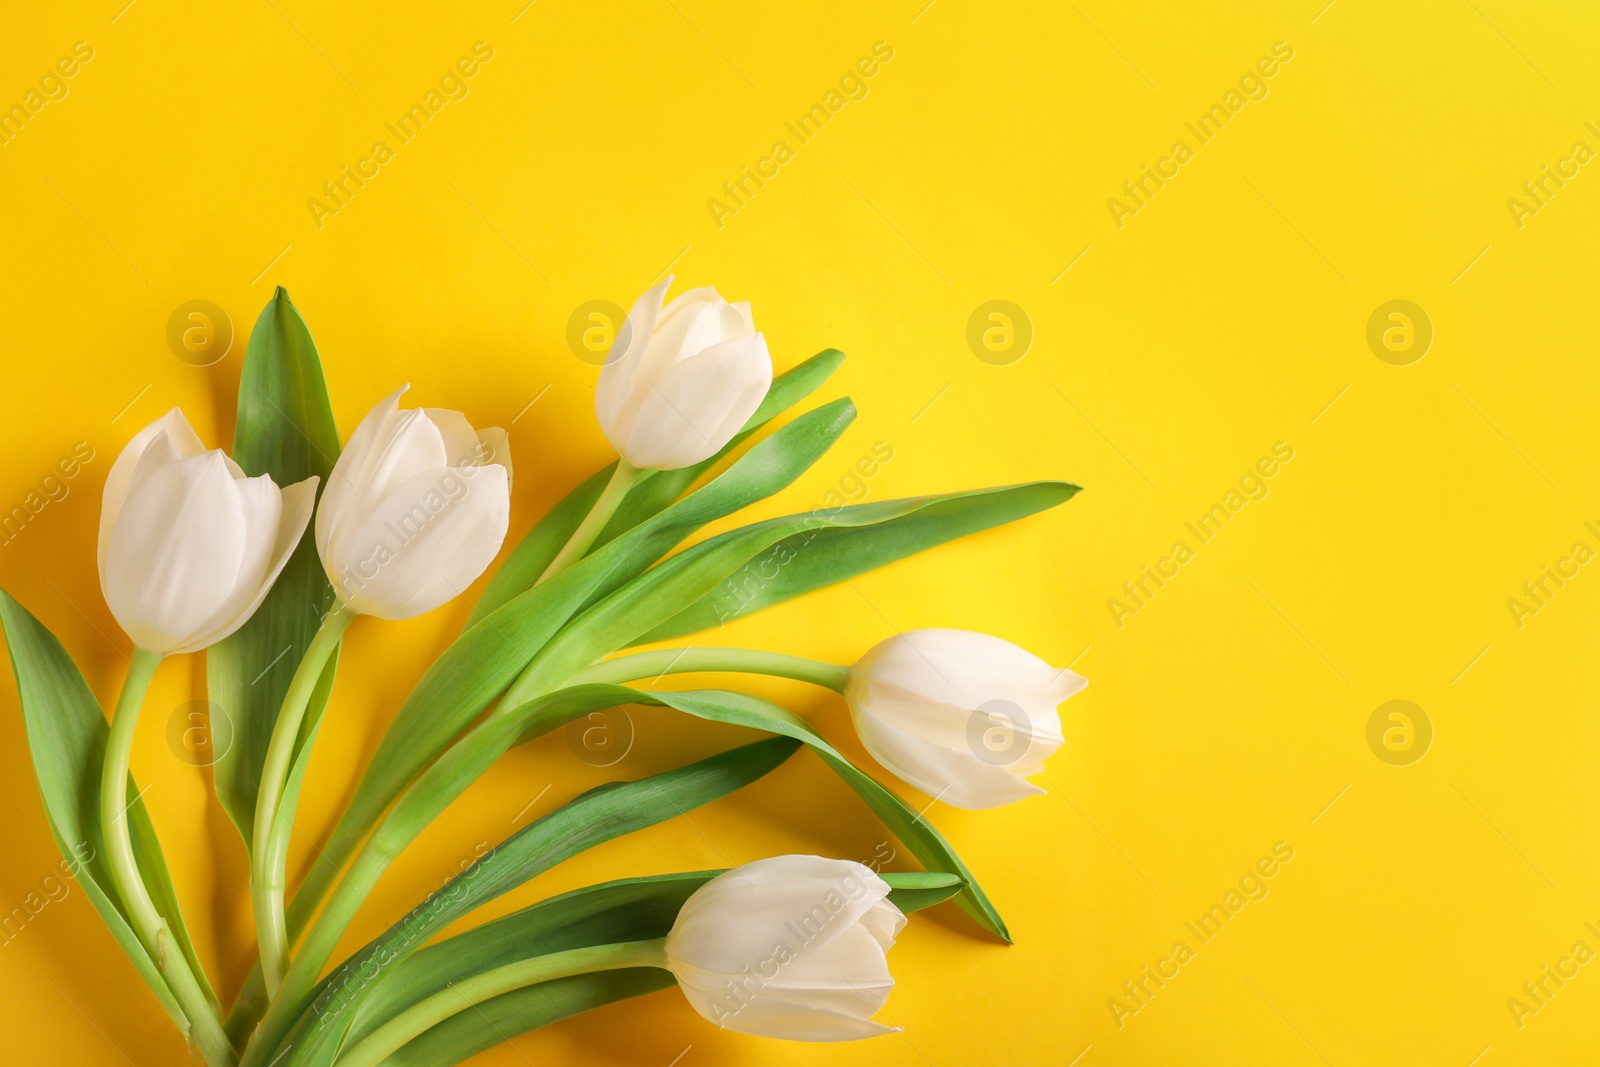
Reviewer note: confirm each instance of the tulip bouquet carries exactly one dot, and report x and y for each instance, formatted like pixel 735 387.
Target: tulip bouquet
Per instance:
pixel 264 558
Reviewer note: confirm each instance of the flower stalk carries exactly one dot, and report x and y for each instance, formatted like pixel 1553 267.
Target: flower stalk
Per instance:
pixel 623 478
pixel 205 1024
pixel 666 661
pixel 272 829
pixel 469 992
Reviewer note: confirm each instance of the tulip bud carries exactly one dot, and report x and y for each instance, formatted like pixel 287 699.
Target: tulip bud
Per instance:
pixel 962 716
pixel 681 380
pixel 415 509
pixel 188 545
pixel 790 947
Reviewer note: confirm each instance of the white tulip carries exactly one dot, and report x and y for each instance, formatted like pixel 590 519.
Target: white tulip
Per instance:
pixel 964 717
pixel 415 509
pixel 682 379
pixel 790 947
pixel 189 546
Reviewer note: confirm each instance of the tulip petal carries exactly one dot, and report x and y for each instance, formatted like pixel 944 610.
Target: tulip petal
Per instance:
pixel 689 296
pixel 460 439
pixel 426 541
pixel 1038 728
pixel 289 519
pixel 955 776
pixel 342 480
pixel 693 322
pixel 466 447
pixel 699 404
pixel 174 554
pixel 735 909
pixel 617 375
pixel 968 669
pixel 494 446
pixel 769 1016
pixel 851 963
pixel 180 436
pixel 690 324
pixel 790 947
pixel 262 501
pixel 884 922
pixel 407 444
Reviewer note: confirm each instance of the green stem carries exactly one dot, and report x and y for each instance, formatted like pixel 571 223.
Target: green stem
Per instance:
pixel 622 480
pixel 697 660
pixel 269 854
pixel 322 938
pixel 459 766
pixel 325 869
pixel 431 1011
pixel 205 1026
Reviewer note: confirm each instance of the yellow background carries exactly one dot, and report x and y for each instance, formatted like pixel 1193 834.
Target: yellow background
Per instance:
pixel 1228 714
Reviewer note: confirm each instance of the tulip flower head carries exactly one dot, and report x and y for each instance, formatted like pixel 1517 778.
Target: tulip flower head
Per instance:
pixel 681 379
pixel 791 947
pixel 415 509
pixel 964 717
pixel 189 546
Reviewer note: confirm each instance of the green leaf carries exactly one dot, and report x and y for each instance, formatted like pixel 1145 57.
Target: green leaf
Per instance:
pixel 593 818
pixel 467 1033
pixel 824 556
pixel 741 709
pixel 67 737
pixel 285 429
pixel 914 890
pixel 631 909
pixel 483 661
pixel 653 493
pixel 711 568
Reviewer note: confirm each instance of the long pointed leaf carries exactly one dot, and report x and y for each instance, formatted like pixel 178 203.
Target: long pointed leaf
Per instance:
pixel 595 817
pixel 285 429
pixel 67 737
pixel 467 1033
pixel 822 557
pixel 650 600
